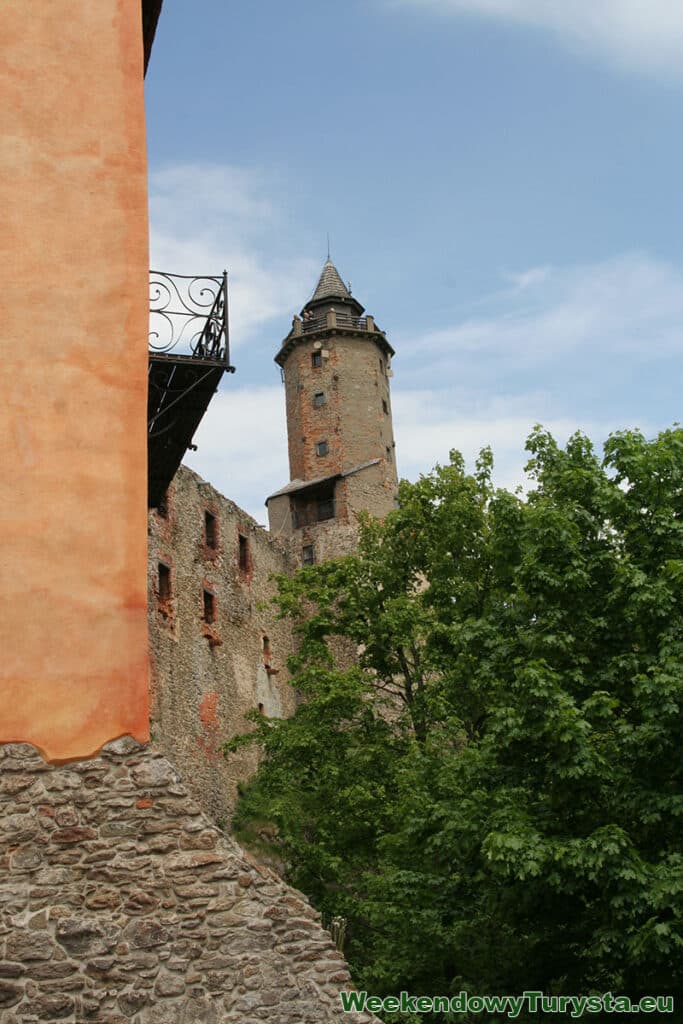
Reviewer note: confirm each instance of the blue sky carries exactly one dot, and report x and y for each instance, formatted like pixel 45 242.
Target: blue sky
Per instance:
pixel 501 183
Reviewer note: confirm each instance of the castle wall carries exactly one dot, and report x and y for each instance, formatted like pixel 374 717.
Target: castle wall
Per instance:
pixel 206 675
pixel 121 904
pixel 74 259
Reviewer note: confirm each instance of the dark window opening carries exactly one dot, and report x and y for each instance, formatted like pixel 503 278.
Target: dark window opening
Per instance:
pixel 314 505
pixel 243 553
pixel 162 507
pixel 308 555
pixel 388 454
pixel 322 448
pixel 316 359
pixel 319 399
pixel 385 407
pixel 209 606
pixel 266 646
pixel 164 582
pixel 260 707
pixel 325 509
pixel 210 530
pixel 381 366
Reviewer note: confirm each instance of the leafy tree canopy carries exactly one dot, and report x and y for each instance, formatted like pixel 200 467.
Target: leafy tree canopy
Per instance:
pixel 485 776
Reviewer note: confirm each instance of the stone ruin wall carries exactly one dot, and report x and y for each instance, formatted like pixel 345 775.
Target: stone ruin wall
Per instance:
pixel 120 903
pixel 204 677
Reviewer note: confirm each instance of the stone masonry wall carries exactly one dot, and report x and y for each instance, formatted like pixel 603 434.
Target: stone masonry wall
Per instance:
pixel 355 417
pixel 205 676
pixel 121 904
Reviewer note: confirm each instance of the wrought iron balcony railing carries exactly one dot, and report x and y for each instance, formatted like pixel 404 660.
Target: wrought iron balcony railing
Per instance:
pixel 188 316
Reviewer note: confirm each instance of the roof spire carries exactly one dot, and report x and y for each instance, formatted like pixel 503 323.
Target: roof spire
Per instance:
pixel 328 246
pixel 330 284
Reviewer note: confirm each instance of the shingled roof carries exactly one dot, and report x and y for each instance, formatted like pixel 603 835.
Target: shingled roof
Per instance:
pixel 330 285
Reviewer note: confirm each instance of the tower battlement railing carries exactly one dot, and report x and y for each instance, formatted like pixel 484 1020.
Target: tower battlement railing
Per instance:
pixel 188 316
pixel 332 318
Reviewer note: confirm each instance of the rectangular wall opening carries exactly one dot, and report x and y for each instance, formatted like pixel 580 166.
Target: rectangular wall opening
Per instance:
pixel 164 581
pixel 210 531
pixel 209 606
pixel 308 555
pixel 243 553
pixel 313 505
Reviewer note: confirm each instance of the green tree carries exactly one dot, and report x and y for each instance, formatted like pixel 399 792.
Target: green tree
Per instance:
pixel 490 791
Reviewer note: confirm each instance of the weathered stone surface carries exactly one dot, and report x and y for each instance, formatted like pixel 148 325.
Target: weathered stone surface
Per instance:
pixel 145 933
pixel 140 902
pixel 131 1002
pixel 25 946
pixel 66 816
pixel 122 747
pixel 11 970
pixel 103 921
pixel 169 984
pixel 10 994
pixel 152 774
pixel 72 835
pixel 52 1007
pixel 106 898
pixel 86 935
pixel 26 858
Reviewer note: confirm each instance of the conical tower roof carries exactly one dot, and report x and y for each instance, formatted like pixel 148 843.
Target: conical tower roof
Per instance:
pixel 331 290
pixel 330 285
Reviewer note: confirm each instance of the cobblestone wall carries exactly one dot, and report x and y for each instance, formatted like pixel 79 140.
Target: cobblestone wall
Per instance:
pixel 121 904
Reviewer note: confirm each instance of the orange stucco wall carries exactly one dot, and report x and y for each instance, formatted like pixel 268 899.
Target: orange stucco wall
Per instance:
pixel 73 365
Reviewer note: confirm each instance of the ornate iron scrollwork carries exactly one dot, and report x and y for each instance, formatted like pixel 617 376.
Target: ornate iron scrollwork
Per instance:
pixel 190 314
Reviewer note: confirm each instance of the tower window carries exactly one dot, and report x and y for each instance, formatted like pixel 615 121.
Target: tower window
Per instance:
pixel 209 606
pixel 322 448
pixel 381 366
pixel 162 507
pixel 164 582
pixel 325 509
pixel 385 407
pixel 243 553
pixel 319 399
pixel 308 555
pixel 388 454
pixel 210 531
pixel 316 359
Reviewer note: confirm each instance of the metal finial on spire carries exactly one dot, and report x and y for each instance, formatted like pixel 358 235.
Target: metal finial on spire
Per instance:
pixel 328 245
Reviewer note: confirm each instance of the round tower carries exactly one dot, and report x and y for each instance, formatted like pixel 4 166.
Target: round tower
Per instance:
pixel 336 368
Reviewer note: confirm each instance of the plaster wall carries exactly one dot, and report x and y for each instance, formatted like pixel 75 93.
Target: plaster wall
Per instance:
pixel 74 328
pixel 206 675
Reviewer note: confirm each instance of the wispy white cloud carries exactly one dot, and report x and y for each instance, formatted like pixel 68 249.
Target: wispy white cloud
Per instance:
pixel 206 218
pixel 429 423
pixel 242 445
pixel 646 35
pixel 628 306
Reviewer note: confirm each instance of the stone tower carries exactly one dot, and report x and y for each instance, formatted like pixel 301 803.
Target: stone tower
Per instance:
pixel 336 366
